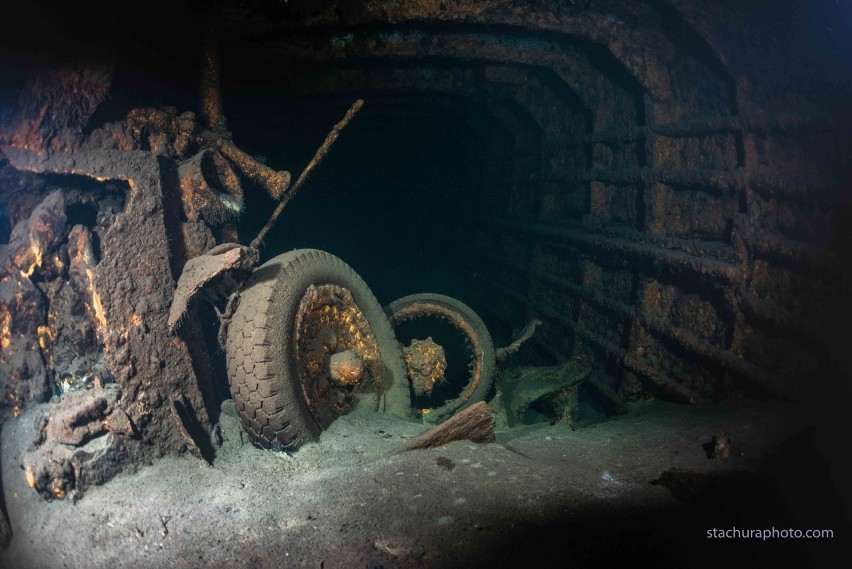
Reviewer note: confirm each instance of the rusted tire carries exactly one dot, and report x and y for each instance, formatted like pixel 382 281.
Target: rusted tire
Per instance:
pixel 464 319
pixel 266 375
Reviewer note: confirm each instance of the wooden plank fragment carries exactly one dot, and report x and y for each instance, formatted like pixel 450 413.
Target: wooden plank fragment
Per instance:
pixel 473 424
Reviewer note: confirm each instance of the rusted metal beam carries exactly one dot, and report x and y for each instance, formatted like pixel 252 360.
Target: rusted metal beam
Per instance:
pixel 729 181
pixel 716 124
pixel 667 260
pixel 682 337
pixel 758 309
pixel 615 353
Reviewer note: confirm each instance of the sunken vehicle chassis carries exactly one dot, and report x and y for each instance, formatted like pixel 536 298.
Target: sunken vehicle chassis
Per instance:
pixel 103 224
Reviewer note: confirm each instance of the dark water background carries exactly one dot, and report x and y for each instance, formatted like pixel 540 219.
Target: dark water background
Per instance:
pixel 389 199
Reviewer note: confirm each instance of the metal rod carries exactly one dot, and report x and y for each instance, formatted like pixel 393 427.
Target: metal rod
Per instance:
pixel 320 154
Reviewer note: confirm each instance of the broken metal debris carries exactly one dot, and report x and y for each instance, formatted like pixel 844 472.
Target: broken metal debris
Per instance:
pixel 210 91
pixel 132 280
pixel 275 182
pixel 521 388
pixel 27 325
pixel 221 267
pixel 689 235
pixel 719 446
pixel 82 275
pixel 115 287
pixel 217 136
pixel 525 334
pixel 78 443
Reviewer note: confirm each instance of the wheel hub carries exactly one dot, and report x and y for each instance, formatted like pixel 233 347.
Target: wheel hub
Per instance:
pixel 336 352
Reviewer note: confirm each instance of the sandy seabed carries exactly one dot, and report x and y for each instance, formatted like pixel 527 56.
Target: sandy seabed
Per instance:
pixel 541 496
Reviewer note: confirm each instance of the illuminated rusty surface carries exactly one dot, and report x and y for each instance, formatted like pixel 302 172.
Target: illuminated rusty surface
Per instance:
pixel 5 327
pixel 225 175
pixel 163 131
pixel 46 335
pixel 329 322
pixel 276 183
pixel 26 341
pixel 426 364
pixel 209 189
pixel 346 368
pixel 38 235
pixel 55 105
pixel 82 261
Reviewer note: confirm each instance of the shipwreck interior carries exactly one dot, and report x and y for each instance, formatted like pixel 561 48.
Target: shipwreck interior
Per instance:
pixel 647 203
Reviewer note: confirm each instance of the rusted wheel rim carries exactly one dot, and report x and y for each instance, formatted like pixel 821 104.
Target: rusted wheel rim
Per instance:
pixel 329 323
pixel 421 309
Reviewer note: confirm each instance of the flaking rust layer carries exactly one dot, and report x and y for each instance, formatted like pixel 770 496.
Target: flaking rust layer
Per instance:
pixel 132 288
pixel 136 289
